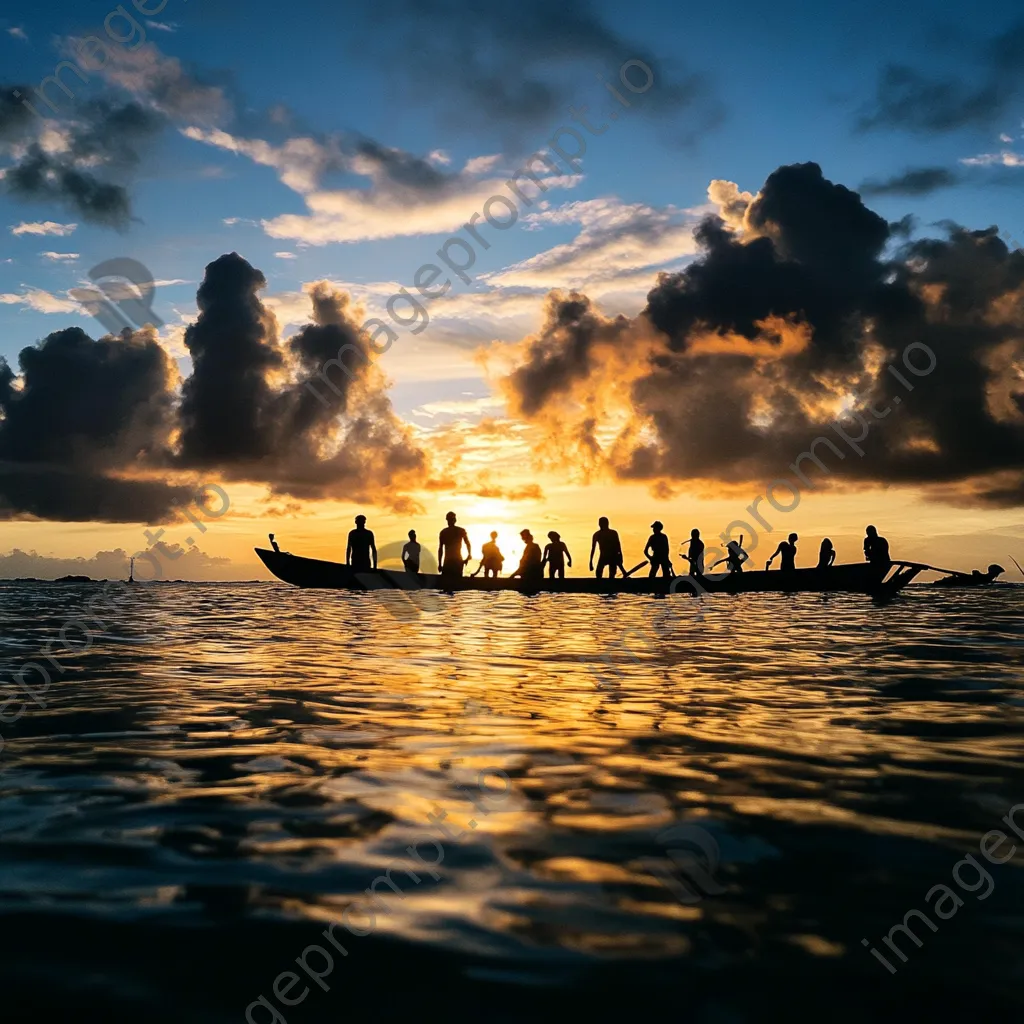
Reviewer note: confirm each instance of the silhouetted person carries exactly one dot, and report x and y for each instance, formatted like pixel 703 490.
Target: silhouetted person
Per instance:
pixel 876 549
pixel 787 549
pixel 555 555
pixel 530 565
pixel 607 542
pixel 695 552
pixel 360 547
pixel 273 543
pixel 411 553
pixel 491 559
pixel 735 558
pixel 449 549
pixel 656 550
pixel 827 554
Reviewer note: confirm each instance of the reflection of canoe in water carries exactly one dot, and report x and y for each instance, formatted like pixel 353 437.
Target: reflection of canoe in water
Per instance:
pixel 862 578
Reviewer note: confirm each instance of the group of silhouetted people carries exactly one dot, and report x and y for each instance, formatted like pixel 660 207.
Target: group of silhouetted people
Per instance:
pixel 361 553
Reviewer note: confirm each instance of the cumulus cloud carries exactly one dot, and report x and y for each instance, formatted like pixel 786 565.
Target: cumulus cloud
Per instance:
pixel 784 324
pixel 39 301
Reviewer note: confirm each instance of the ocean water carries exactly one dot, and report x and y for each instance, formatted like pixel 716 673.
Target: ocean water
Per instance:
pixel 587 808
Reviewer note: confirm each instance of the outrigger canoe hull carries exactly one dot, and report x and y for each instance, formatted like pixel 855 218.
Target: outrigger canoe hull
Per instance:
pixel 861 578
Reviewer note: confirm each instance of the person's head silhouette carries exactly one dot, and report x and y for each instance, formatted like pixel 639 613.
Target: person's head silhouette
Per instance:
pixel 360 521
pixel 657 526
pixel 451 518
pixel 412 535
pixel 793 538
pixel 553 536
pixel 695 534
pixel 872 532
pixel 603 522
pixel 494 534
pixel 526 535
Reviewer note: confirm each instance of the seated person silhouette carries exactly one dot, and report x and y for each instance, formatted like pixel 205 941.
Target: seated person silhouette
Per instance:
pixel 656 550
pixel 607 541
pixel 827 554
pixel 787 549
pixel 555 555
pixel 360 547
pixel 876 549
pixel 491 558
pixel 273 543
pixel 411 554
pixel 530 570
pixel 449 550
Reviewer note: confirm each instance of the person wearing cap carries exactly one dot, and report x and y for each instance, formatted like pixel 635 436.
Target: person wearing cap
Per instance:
pixel 555 555
pixel 449 548
pixel 656 550
pixel 360 547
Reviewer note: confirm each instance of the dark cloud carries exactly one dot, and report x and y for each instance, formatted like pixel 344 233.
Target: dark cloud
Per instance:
pixel 87 414
pixel 911 100
pixel 88 173
pixel 515 68
pixel 247 411
pixel 758 347
pixel 95 430
pixel 916 181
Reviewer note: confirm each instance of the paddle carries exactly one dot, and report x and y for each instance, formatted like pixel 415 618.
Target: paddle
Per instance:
pixel 1016 563
pixel 636 567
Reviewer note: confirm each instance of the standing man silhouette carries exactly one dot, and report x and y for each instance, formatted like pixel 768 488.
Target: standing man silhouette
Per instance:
pixel 787 549
pixel 360 547
pixel 449 548
pixel 607 541
pixel 695 554
pixel 656 550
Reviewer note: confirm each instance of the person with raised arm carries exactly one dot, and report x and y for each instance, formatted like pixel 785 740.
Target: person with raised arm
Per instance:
pixel 736 556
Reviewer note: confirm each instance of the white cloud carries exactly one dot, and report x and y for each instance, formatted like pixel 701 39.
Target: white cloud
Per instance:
pixel 482 164
pixel 407 195
pixel 460 407
pixel 1004 159
pixel 58 257
pixel 1005 138
pixel 286 255
pixel 440 157
pixel 163 26
pixel 46 227
pixel 617 242
pixel 18 33
pixel 40 301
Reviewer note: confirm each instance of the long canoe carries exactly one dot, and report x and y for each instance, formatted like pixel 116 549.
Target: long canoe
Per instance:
pixel 861 578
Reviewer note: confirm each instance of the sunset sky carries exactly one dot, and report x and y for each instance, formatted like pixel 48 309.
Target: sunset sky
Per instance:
pixel 821 188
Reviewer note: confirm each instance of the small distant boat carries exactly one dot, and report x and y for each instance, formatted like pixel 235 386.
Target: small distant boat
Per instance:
pixel 861 578
pixel 131 572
